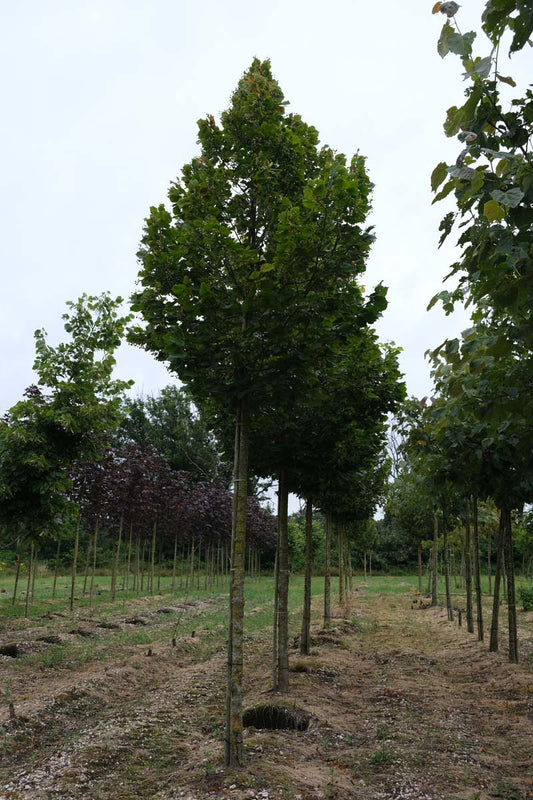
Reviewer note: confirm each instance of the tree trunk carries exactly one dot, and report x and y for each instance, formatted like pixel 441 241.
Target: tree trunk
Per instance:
pixel 200 564
pixel 28 583
pixel 93 573
pixel 192 556
pixel 126 581
pixel 74 563
pixel 468 571
pixel 139 554
pixel 496 596
pixel 116 560
pixel 56 569
pixel 446 559
pixel 275 620
pixel 420 567
pixel 87 562
pixel 174 562
pixel 340 548
pixel 17 574
pixel 152 557
pixel 283 602
pixel 327 574
pixel 34 573
pixel 511 597
pixel 234 750
pixel 435 563
pixel 489 567
pixel 477 572
pixel 306 616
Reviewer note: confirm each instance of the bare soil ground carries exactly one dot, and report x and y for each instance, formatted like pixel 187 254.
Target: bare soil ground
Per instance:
pixel 403 704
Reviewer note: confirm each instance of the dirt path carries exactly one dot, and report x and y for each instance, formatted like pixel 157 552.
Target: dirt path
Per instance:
pixel 403 705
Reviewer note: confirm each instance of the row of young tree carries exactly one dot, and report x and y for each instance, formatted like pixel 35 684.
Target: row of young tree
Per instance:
pixel 474 441
pixel 250 292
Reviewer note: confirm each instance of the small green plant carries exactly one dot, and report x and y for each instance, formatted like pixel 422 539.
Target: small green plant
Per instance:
pixel 506 791
pixel 526 597
pixel 382 732
pixel 331 788
pixel 382 758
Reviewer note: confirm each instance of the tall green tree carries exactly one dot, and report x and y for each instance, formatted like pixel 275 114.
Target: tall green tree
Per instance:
pixel 71 415
pixel 245 279
pixel 171 424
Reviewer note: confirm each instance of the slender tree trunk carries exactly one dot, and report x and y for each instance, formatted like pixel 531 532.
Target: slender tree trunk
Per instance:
pixel 283 603
pixel 468 571
pixel 489 567
pixel 139 555
pixel 446 559
pixel 511 597
pixel 17 574
pixel 200 565
pixel 28 582
pixel 74 563
pixel 364 566
pixel 192 556
pixel 275 620
pixel 340 548
pixel 116 560
pixel 327 574
pixel 87 562
pixel 420 567
pixel 504 576
pixel 93 573
pixel 174 562
pixel 34 573
pixel 207 565
pixel 234 750
pixel 496 596
pixel 128 565
pixel 477 572
pixel 370 563
pixel 183 566
pixel 350 567
pixel 306 616
pixel 159 567
pixel 435 563
pixel 152 557
pixel 56 569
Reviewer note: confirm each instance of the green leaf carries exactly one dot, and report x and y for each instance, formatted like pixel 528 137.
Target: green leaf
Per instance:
pixel 510 81
pixel 463 173
pixel 461 45
pixel 438 175
pixel 445 191
pixel 493 211
pixel 512 198
pixel 481 67
pixel 522 25
pixel 442 45
pixel 446 226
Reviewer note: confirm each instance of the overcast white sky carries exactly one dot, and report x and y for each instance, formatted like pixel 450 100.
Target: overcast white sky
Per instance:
pixel 100 102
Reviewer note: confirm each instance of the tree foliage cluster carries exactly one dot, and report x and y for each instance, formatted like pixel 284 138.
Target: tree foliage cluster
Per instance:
pixel 249 290
pixel 473 441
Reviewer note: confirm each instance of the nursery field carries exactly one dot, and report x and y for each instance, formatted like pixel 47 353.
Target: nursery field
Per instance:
pixel 125 700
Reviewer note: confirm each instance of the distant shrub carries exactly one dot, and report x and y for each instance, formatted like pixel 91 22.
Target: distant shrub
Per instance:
pixel 526 597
